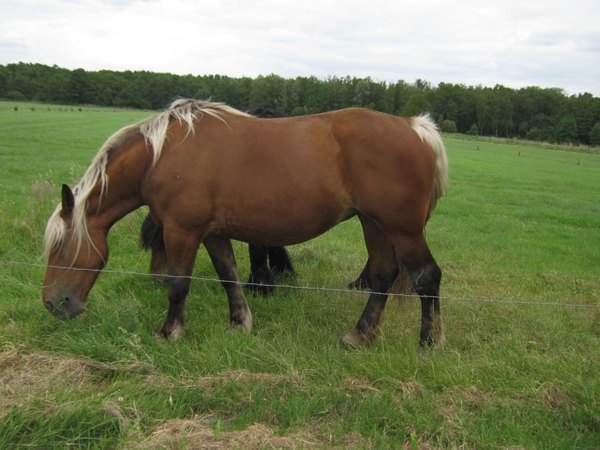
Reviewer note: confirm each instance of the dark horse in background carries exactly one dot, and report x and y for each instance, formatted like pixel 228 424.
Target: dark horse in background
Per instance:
pixel 261 280
pixel 210 173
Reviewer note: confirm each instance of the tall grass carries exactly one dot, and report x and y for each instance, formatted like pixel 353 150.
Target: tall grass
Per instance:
pixel 517 238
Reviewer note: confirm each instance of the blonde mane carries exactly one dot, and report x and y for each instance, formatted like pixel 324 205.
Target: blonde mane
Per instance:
pixel 154 130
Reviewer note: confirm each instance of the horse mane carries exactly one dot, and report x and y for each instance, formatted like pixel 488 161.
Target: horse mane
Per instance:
pixel 266 112
pixel 154 131
pixel 183 110
pixel 427 130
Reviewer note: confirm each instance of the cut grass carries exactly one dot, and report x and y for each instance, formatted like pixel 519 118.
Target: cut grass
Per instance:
pixel 519 224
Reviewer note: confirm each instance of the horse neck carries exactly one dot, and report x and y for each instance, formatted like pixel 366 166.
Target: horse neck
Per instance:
pixel 126 170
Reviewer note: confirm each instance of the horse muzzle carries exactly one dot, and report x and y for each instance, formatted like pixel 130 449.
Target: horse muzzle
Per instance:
pixel 62 305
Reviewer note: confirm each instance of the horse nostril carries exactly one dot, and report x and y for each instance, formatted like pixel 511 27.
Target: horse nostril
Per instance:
pixel 50 304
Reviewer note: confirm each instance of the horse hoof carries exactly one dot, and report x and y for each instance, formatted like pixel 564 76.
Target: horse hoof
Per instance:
pixel 238 328
pixel 245 326
pixel 352 342
pixel 172 335
pixel 426 348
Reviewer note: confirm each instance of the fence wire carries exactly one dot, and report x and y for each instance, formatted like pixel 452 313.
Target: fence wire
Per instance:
pixel 311 288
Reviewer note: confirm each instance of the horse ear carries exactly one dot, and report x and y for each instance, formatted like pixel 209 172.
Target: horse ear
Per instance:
pixel 68 200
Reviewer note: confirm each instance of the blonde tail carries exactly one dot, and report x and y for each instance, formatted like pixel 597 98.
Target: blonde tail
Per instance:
pixel 427 130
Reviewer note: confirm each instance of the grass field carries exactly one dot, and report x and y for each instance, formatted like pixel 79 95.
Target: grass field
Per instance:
pixel 518 239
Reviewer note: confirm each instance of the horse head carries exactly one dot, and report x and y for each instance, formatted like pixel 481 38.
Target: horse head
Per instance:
pixel 76 255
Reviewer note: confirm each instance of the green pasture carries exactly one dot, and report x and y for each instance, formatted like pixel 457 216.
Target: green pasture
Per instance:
pixel 518 239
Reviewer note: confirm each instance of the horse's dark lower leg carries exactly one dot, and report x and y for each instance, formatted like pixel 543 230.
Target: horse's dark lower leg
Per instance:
pixel 383 271
pixel 280 262
pixel 261 280
pixel 182 250
pixel 425 276
pixel 151 238
pixel 364 279
pixel 426 280
pixel 178 290
pixel 223 258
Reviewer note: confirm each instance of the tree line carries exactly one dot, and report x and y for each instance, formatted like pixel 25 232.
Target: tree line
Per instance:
pixel 534 113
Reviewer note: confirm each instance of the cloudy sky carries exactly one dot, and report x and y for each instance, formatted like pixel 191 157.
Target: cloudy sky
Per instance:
pixel 517 43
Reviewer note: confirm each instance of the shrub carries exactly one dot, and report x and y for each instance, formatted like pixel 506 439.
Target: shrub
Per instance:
pixel 448 126
pixel 474 130
pixel 16 95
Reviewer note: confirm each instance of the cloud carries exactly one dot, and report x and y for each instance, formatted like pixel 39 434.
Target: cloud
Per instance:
pixel 470 41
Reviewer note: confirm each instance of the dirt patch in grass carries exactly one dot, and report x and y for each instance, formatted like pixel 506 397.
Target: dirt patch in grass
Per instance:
pixel 549 395
pixel 193 434
pixel 25 376
pixel 39 376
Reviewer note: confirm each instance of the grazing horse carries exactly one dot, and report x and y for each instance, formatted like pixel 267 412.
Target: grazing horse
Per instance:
pixel 210 173
pixel 261 280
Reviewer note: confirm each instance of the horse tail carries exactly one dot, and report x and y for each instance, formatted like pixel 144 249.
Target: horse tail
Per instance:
pixel 151 235
pixel 427 130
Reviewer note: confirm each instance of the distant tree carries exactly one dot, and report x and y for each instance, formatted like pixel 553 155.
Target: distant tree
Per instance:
pixel 474 130
pixel 566 130
pixel 503 110
pixel 298 111
pixel 594 135
pixel 582 108
pixel 486 111
pixel 537 134
pixel 416 105
pixel 530 112
pixel 78 86
pixel 361 93
pixel 522 131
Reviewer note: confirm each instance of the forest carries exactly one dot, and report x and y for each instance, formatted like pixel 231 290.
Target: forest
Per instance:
pixel 532 113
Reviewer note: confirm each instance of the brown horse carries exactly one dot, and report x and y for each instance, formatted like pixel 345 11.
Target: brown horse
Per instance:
pixel 210 173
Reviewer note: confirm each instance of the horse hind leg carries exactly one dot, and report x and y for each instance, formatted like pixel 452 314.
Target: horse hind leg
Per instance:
pixel 426 276
pixel 221 253
pixel 383 271
pixel 261 280
pixel 280 261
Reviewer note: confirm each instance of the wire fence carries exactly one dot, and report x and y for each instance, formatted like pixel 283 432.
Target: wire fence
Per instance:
pixel 313 288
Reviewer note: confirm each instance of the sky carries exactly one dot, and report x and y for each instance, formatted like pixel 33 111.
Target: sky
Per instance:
pixel 515 43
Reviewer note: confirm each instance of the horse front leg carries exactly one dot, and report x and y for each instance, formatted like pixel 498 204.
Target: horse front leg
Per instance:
pixel 221 253
pixel 181 250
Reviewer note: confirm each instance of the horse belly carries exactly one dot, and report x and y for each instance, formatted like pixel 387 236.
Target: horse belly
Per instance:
pixel 278 219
